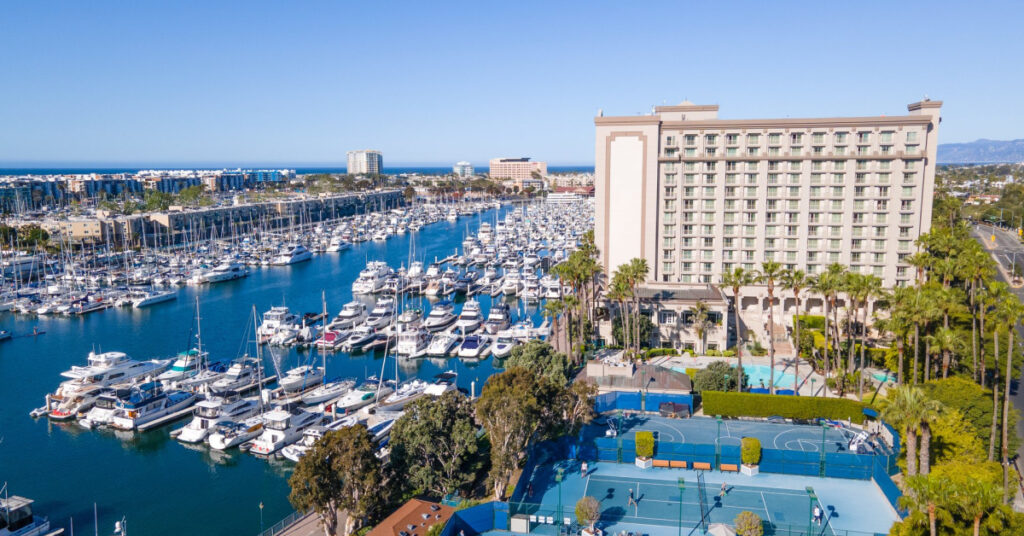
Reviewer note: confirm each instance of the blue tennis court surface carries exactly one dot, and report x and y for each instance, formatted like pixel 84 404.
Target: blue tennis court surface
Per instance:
pixel 706 430
pixel 850 506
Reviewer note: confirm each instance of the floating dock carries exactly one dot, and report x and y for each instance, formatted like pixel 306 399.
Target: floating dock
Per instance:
pixel 170 417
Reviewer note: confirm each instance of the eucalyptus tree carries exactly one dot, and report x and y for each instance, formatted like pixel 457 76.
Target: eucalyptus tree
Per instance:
pixel 770 273
pixel 737 279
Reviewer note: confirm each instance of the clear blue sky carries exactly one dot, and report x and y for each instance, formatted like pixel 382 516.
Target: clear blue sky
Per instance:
pixel 435 82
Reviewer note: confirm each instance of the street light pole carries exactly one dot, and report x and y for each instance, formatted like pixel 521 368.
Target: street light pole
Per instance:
pixel 682 486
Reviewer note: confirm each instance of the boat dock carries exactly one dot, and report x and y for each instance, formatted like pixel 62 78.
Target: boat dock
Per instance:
pixel 171 417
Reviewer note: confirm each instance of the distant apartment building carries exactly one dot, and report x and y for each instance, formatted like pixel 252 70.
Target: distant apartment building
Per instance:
pixel 91 186
pixel 519 170
pixel 365 162
pixel 463 169
pixel 698 196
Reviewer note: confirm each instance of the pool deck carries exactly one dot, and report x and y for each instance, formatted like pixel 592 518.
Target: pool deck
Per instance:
pixel 812 384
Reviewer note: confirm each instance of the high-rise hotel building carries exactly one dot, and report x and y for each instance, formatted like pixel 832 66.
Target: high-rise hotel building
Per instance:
pixel 365 162
pixel 698 196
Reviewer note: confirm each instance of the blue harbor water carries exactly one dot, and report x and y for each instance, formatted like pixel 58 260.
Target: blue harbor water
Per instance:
pixel 163 487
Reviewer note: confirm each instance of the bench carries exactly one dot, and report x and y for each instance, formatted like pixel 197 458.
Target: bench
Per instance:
pixel 729 467
pixel 660 463
pixel 702 465
pixel 677 464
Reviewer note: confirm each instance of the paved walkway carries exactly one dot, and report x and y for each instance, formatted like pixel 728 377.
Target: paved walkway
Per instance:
pixel 309 525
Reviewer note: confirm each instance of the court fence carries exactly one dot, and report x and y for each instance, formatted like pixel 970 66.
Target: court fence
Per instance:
pixel 639 401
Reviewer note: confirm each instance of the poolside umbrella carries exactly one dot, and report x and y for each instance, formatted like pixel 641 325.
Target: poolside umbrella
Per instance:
pixel 720 529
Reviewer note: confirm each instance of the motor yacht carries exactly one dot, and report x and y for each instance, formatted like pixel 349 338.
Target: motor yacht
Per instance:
pixel 329 390
pixel 297 450
pixel 242 374
pixel 273 320
pixel 442 383
pixel 474 346
pixel 410 319
pixel 227 271
pixel 153 297
pixel 17 519
pixel 352 314
pixel 77 394
pixel 503 345
pixel 405 394
pixel 471 318
pixel 381 430
pixel 372 278
pixel 364 395
pixel 301 378
pixel 498 318
pixel 442 344
pixel 147 403
pixel 442 315
pixel 360 337
pixel 187 364
pixel 292 254
pixel 282 428
pixel 412 342
pixel 227 434
pixel 380 316
pixel 208 413
pixel 338 243
pixel 511 284
pixel 332 339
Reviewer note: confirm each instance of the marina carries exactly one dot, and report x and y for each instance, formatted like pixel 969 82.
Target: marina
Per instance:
pixel 459 257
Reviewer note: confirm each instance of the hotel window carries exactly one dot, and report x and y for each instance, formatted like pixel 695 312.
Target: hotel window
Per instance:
pixel 863 149
pixel 886 137
pixel 751 191
pixel 794 191
pixel 814 205
pixel 753 139
pixel 816 178
pixel 732 151
pixel 772 204
pixel 794 151
pixel 886 149
pixel 689 191
pixel 774 139
pixel 818 150
pixel 710 139
pixel 773 191
pixel 730 191
pixel 749 229
pixel 909 164
pixel 812 243
pixel 837 204
pixel 688 229
pixel 794 178
pixel 670 205
pixel 883 178
pixel 837 178
pixel 709 151
pixel 751 178
pixel 840 137
pixel 732 139
pixel 667 243
pixel 790 243
pixel 837 218
pixel 860 178
pixel 773 178
pixel 751 204
pixel 729 229
pixel 794 165
pixel 730 178
pixel 863 137
pixel 709 204
pixel 818 137
pixel 884 164
pixel 670 230
pixel 904 245
pixel 769 243
pixel 751 166
pixel 839 165
pixel 862 165
pixel 883 191
pixel 912 149
pixel 731 166
pixel 909 178
pixel 687 242
pixel 689 178
pixel 816 166
pixel 857 243
pixel 709 229
pixel 834 244
pixel 666 267
pixel 908 191
pixel 795 138
pixel 773 166
pixel 816 191
pixel 670 140
pixel 859 191
pixel 774 151
pixel 690 152
pixel 879 244
pixel 793 204
pixel 906 204
pixel 709 242
pixel 709 166
pixel 691 139
pixel 839 150
pixel 709 191
pixel 911 136
pixel 690 166
pixel 670 191
pixel 753 151
pixel 858 217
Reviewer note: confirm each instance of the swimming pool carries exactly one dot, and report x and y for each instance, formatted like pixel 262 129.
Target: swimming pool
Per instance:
pixel 758 374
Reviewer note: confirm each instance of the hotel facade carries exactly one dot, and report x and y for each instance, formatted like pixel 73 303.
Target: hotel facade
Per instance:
pixel 697 196
pixel 365 162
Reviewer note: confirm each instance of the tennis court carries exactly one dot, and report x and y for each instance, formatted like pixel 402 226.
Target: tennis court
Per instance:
pixel 849 506
pixel 706 430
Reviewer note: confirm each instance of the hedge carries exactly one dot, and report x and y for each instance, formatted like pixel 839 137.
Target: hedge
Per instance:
pixel 790 407
pixel 656 352
pixel 644 444
pixel 750 450
pixel 810 322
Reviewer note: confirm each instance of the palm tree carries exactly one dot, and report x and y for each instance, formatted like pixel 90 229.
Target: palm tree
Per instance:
pixel 854 285
pixel 637 270
pixel 795 281
pixel 945 341
pixel 871 288
pixel 824 284
pixel 899 326
pixel 737 279
pixel 907 406
pixel 770 272
pixel 837 273
pixel 927 494
pixel 973 498
pixel 978 269
pixel 553 309
pixel 929 412
pixel 700 318
pixel 1012 312
pixel 619 291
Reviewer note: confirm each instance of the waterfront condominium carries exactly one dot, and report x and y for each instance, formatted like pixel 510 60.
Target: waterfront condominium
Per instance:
pixel 697 196
pixel 365 162
pixel 463 169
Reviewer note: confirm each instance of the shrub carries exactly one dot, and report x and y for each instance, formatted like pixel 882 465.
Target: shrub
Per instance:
pixel 645 444
pixel 657 352
pixel 729 353
pixel 588 511
pixel 691 372
pixel 748 524
pixel 810 322
pixel 750 450
pixel 713 353
pixel 718 376
pixel 729 404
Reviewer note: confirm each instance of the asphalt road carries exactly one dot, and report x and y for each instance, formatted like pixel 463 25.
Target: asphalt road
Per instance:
pixel 1007 248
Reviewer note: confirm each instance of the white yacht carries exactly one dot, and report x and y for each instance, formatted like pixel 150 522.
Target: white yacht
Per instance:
pixel 147 403
pixel 297 450
pixel 274 319
pixel 442 344
pixel 338 244
pixel 412 342
pixel 186 365
pixel 227 271
pixel 301 378
pixel 380 316
pixel 152 297
pixel 210 412
pixel 17 519
pixel 282 428
pixel 512 284
pixel 359 337
pixel 442 383
pixel 372 278
pixel 471 318
pixel 242 374
pixel 227 434
pixel 328 391
pixel 410 319
pixel 474 346
pixel 292 254
pixel 442 315
pixel 503 344
pixel 364 395
pixel 351 315
pixel 78 393
pixel 498 318
pixel 406 393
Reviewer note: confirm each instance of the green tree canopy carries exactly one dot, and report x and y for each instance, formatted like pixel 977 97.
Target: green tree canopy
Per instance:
pixel 541 358
pixel 718 376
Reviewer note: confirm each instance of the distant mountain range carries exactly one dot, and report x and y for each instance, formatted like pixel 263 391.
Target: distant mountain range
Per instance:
pixel 981 151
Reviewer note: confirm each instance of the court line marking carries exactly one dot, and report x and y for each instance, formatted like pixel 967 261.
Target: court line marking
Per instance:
pixel 586 485
pixel 655 484
pixel 765 503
